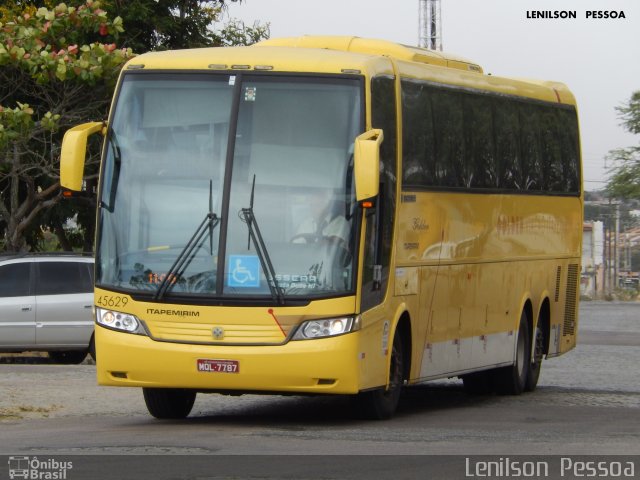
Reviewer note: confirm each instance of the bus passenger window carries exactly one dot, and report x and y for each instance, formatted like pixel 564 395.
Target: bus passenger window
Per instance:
pixel 449 133
pixel 418 142
pixel 480 165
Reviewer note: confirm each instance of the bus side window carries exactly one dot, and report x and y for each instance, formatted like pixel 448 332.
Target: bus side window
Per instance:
pixel 480 161
pixel 530 143
pixel 508 161
pixel 418 142
pixel 449 135
pixel 569 144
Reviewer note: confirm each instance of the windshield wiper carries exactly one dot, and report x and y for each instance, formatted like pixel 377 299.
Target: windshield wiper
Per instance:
pixel 261 249
pixel 187 254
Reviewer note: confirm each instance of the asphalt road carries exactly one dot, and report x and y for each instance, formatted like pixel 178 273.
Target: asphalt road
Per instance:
pixel 587 403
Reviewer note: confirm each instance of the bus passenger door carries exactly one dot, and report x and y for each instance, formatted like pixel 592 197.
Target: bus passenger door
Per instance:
pixel 378 229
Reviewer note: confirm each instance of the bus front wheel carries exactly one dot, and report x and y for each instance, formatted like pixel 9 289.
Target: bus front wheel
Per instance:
pixel 169 403
pixel 381 404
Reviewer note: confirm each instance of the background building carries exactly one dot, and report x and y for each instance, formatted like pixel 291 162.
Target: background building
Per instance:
pixel 593 282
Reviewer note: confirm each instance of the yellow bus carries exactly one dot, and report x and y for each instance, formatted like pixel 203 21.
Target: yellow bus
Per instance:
pixel 330 215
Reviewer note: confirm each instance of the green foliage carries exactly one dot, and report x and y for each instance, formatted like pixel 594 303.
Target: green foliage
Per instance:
pixel 46 45
pixel 175 24
pixel 630 113
pixel 625 175
pixel 54 73
pixel 58 67
pixel 624 180
pixel 237 32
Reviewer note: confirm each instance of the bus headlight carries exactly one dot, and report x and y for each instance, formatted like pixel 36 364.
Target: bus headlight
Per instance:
pixel 122 322
pixel 326 327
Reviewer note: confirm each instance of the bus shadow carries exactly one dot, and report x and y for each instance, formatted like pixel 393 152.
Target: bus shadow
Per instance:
pixel 436 397
pixel 299 412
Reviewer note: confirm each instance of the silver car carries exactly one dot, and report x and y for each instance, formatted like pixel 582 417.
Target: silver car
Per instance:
pixel 46 304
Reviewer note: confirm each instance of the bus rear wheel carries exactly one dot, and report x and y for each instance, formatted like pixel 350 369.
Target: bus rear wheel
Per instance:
pixel 169 403
pixel 536 361
pixel 381 404
pixel 512 380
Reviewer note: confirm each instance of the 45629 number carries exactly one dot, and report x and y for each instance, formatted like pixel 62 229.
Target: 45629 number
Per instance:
pixel 111 301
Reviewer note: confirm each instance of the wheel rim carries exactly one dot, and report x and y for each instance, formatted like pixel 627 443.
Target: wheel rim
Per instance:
pixel 539 346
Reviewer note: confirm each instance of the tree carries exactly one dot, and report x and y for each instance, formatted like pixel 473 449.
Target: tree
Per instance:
pixel 624 181
pixel 58 66
pixel 175 24
pixel 50 80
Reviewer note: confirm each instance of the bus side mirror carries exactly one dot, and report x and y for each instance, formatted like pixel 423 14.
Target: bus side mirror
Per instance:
pixel 72 156
pixel 366 164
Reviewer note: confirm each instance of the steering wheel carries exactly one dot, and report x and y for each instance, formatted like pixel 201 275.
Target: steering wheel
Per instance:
pixel 307 237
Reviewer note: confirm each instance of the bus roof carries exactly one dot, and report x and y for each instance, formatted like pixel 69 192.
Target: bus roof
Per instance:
pixel 345 54
pixel 265 58
pixel 376 47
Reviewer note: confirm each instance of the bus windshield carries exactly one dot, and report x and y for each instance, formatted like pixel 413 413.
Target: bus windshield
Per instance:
pixel 187 147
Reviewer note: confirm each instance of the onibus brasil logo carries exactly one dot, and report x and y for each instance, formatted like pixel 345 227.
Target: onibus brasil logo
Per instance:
pixel 36 469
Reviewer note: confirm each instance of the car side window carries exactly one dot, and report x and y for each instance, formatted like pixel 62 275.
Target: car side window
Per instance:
pixel 14 280
pixel 57 278
pixel 86 272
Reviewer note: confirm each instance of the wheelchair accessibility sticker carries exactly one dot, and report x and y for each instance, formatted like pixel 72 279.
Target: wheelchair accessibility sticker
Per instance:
pixel 244 271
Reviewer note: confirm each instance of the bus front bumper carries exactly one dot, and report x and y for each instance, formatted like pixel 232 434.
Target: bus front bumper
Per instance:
pixel 328 365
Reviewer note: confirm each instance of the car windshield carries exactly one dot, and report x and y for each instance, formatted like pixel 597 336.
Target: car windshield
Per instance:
pixel 186 147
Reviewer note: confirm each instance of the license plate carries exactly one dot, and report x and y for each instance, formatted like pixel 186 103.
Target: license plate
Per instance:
pixel 218 366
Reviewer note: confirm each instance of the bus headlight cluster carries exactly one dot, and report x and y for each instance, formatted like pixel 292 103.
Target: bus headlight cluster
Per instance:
pixel 326 327
pixel 123 322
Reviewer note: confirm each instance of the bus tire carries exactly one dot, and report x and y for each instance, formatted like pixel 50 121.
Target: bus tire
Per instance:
pixel 512 380
pixel 169 403
pixel 536 361
pixel 381 403
pixel 92 347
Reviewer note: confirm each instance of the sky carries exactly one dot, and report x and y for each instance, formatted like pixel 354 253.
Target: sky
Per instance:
pixel 599 59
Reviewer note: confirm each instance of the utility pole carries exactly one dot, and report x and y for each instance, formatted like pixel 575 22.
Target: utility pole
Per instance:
pixel 617 248
pixel 430 24
pixel 605 258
